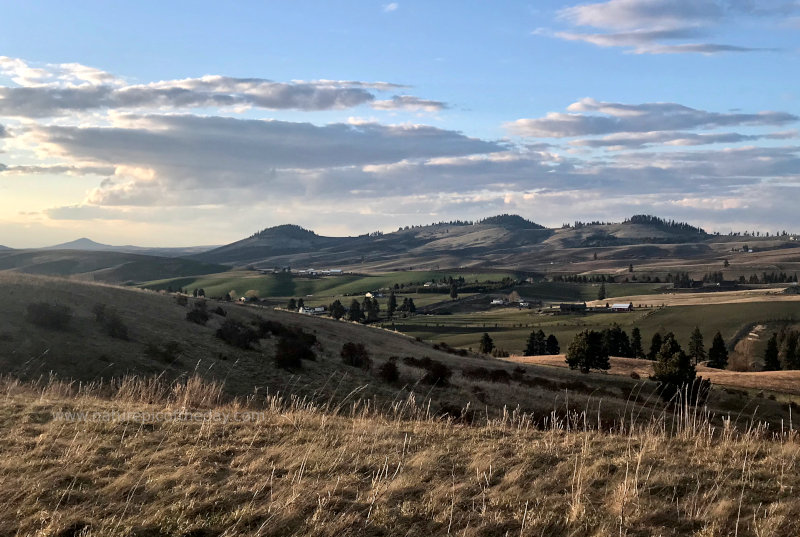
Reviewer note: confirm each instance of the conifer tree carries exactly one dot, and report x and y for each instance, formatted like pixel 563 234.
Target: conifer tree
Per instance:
pixel 552 346
pixel 697 350
pixel 636 343
pixel 771 361
pixel 718 353
pixel 655 346
pixel 486 344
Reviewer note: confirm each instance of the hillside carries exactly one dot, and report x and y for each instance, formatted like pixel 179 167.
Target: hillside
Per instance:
pixel 507 241
pixel 85 244
pixel 153 460
pixel 104 266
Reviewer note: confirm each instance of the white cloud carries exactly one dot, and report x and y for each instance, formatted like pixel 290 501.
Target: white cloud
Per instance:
pixel 388 8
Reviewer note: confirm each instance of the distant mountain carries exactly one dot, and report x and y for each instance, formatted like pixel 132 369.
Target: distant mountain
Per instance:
pixel 504 240
pixel 89 245
pixel 4 247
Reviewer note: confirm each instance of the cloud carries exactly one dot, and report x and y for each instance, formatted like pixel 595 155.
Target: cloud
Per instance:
pixel 648 117
pixel 644 139
pixel 648 26
pixel 409 102
pixel 3 131
pixel 57 170
pixel 65 89
pixel 388 8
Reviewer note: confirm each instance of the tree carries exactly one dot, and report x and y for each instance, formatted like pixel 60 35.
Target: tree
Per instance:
pixel 300 303
pixel 771 361
pixel 551 346
pixel 537 344
pixel 789 350
pixel 587 352
pixel 336 309
pixel 391 307
pixel 601 294
pixel 697 350
pixel 673 368
pixel 486 344
pixel 726 263
pixel 595 256
pixel 292 305
pixel 655 346
pixel 453 291
pixel 636 343
pixel 616 342
pixel 718 353
pixel 354 314
pixel 630 267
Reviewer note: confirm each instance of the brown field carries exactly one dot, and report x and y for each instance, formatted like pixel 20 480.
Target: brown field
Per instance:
pixel 298 469
pixel 777 381
pixel 701 299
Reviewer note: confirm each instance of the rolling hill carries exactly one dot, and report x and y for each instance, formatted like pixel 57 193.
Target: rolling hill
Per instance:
pixel 89 245
pixel 104 266
pixel 508 240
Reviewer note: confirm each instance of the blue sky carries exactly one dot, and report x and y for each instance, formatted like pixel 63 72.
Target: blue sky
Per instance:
pixel 347 117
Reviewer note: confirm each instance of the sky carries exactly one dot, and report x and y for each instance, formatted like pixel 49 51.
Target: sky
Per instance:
pixel 200 123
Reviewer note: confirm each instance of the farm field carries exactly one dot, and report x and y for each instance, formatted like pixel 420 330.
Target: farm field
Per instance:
pixel 510 327
pixel 286 285
pixel 776 381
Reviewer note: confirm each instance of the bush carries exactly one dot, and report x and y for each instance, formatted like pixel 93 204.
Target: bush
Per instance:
pixel 197 316
pixel 111 321
pixel 236 334
pixel 437 372
pixel 355 355
pixel 168 352
pixel 52 316
pixel 447 348
pixel 290 352
pixel 488 375
pixel 181 300
pixel 221 312
pixel 388 372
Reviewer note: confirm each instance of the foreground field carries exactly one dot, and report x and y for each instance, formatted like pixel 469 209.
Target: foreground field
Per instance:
pixel 776 381
pixel 295 469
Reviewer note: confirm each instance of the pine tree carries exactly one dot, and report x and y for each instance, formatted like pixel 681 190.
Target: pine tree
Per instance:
pixel 718 353
pixel 486 344
pixel 391 307
pixel 601 294
pixel 300 303
pixel 771 361
pixel 453 291
pixel 636 343
pixel 697 350
pixel 789 350
pixel 354 314
pixel 336 309
pixel 673 368
pixel 532 348
pixel 411 307
pixel 291 306
pixel 551 345
pixel 655 346
pixel 586 352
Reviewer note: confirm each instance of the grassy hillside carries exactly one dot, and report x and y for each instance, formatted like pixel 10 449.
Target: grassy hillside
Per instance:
pixel 287 285
pixel 112 267
pixel 281 468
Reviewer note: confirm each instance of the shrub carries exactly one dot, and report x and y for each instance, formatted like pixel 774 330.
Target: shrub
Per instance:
pixel 181 300
pixel 198 316
pixel 488 375
pixel 290 352
pixel 168 352
pixel 221 312
pixel 388 371
pixel 52 316
pixel 114 326
pixel 437 372
pixel 235 333
pixel 355 355
pixel 447 348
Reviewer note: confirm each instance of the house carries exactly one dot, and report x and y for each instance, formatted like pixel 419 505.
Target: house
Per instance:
pixel 497 302
pixel 619 308
pixel 318 310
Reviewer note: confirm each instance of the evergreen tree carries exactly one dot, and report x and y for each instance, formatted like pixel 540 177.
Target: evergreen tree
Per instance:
pixel 601 294
pixel 486 344
pixel 531 349
pixel 552 346
pixel 391 307
pixel 453 291
pixel 630 267
pixel 354 314
pixel 300 303
pixel 336 309
pixel 411 307
pixel 771 361
pixel 655 346
pixel 789 350
pixel 673 368
pixel 586 352
pixel 718 354
pixel 636 343
pixel 697 351
pixel 291 306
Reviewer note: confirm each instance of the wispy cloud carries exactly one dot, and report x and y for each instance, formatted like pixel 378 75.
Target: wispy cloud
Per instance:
pixel 392 6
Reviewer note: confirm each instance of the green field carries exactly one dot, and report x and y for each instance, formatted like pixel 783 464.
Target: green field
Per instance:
pixel 510 327
pixel 579 292
pixel 287 285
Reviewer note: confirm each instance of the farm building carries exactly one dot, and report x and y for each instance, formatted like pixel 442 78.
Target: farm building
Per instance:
pixel 622 307
pixel 570 308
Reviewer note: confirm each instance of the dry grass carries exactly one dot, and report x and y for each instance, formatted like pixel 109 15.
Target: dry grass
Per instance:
pixel 703 299
pixel 348 469
pixel 778 381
